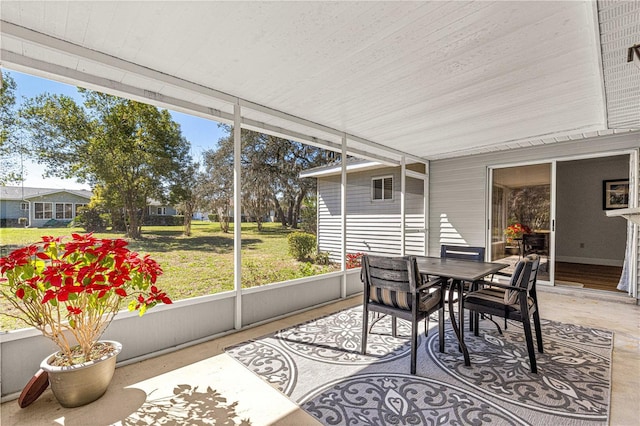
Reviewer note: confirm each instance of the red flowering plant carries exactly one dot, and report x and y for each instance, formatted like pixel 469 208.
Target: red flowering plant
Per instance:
pixel 515 231
pixel 75 288
pixel 354 260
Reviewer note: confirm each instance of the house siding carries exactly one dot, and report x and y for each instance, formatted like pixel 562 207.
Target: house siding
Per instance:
pixel 11 210
pixel 60 197
pixel 458 186
pixel 372 226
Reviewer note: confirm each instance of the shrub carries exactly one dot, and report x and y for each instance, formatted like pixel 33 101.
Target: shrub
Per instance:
pixel 322 258
pixel 91 219
pixel 159 220
pixel 307 269
pixel 301 245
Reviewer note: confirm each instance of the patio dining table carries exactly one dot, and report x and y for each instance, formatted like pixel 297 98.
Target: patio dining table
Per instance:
pixel 460 271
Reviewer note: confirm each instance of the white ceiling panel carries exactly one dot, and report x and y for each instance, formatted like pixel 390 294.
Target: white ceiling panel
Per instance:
pixel 432 79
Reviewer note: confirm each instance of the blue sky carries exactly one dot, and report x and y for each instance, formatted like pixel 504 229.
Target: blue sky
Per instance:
pixel 202 134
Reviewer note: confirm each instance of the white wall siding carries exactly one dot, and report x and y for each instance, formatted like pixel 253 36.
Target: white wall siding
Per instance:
pixel 372 226
pixel 458 186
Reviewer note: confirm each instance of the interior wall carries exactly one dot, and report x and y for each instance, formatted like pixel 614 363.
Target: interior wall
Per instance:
pixel 584 233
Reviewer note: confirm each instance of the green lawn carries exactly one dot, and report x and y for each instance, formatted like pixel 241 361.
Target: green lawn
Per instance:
pixel 193 266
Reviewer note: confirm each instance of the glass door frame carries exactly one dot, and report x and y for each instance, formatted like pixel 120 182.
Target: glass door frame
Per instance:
pixel 552 212
pixel 634 180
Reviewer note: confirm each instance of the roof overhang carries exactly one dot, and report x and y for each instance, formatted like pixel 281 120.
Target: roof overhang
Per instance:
pixel 355 165
pixel 420 80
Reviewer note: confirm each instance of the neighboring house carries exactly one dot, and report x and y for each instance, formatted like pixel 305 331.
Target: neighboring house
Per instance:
pixel 39 205
pixel 157 208
pixel 373 208
pixel 45 205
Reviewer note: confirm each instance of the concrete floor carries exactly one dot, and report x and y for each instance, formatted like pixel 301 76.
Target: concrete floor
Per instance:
pixel 195 369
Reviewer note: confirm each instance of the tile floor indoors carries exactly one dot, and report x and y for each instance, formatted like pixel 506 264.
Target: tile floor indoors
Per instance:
pixel 206 365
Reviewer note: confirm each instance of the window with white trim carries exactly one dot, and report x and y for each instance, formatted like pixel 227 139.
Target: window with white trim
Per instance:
pixel 64 211
pixel 382 188
pixel 24 206
pixel 161 211
pixel 43 210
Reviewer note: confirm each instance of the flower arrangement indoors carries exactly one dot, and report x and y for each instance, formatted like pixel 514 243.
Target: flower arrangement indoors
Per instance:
pixel 515 231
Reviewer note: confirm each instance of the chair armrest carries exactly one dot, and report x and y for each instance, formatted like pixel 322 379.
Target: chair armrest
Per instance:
pixel 502 274
pixel 428 284
pixel 504 286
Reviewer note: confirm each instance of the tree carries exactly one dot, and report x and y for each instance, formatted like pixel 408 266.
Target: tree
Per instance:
pixel 216 186
pixel 258 176
pixel 309 214
pixel 11 149
pixel 186 195
pixel 132 151
pixel 530 206
pixel 270 175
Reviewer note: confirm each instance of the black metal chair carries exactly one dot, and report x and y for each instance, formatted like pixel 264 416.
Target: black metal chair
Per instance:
pixel 393 286
pixel 471 253
pixel 515 301
pixel 535 244
pixel 462 252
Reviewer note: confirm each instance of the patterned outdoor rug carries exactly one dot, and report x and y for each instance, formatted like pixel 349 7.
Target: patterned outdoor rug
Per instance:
pixel 319 366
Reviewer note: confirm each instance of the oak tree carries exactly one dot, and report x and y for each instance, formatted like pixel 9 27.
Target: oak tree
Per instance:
pixel 133 151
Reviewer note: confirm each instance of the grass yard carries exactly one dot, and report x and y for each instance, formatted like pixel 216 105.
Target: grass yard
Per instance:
pixel 193 266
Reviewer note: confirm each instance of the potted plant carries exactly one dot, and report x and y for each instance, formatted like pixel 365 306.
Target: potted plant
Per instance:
pixel 70 291
pixel 515 231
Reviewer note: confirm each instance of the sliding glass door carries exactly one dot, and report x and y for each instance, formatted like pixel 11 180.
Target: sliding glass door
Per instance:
pixel 521 215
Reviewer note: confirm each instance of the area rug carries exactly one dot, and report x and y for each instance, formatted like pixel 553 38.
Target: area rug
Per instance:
pixel 319 366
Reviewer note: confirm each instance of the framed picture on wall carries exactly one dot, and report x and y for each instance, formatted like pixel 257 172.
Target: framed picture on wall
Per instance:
pixel 615 194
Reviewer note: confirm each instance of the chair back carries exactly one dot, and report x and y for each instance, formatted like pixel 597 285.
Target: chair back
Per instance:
pixel 535 265
pixel 394 273
pixel 534 243
pixel 462 252
pixel 523 278
pixel 391 281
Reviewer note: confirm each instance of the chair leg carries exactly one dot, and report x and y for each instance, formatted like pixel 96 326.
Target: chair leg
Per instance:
pixel 476 318
pixel 414 344
pixel 461 319
pixel 441 328
pixel 536 323
pixel 365 330
pixel 394 326
pixel 526 323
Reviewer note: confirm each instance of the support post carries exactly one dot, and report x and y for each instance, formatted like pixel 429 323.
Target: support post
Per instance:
pixel 403 207
pixel 343 215
pixel 237 214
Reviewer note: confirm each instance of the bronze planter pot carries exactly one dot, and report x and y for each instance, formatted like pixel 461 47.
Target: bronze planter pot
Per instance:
pixel 81 384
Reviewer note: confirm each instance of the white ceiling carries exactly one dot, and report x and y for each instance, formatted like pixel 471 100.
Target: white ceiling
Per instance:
pixel 433 79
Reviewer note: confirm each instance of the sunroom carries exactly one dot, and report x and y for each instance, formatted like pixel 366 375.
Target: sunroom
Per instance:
pixel 459 102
